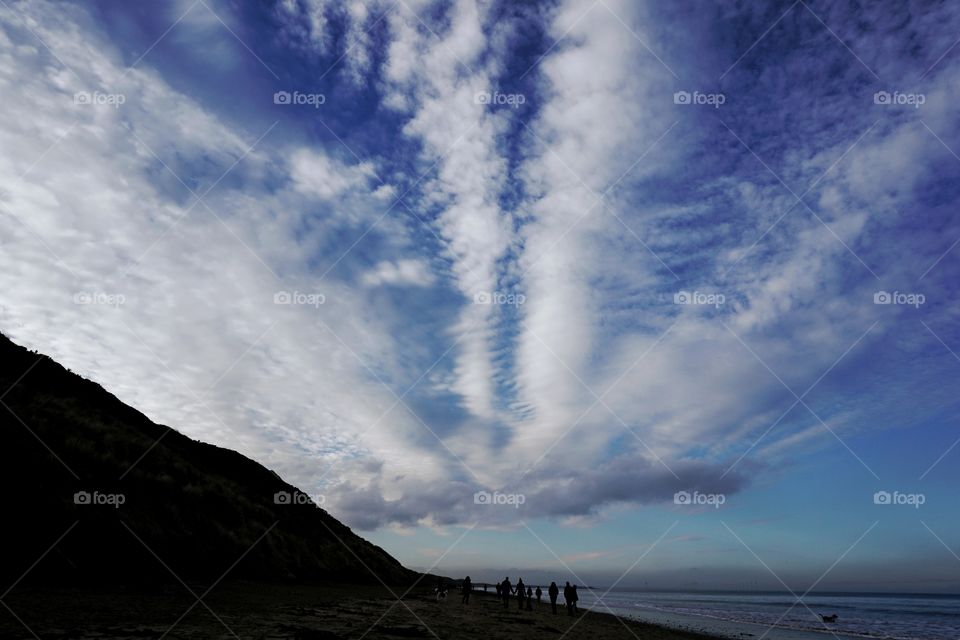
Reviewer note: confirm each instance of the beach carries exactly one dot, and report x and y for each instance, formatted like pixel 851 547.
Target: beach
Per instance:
pixel 249 610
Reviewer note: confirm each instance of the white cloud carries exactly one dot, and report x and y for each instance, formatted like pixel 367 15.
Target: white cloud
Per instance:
pixel 406 272
pixel 600 116
pixel 438 79
pixel 319 175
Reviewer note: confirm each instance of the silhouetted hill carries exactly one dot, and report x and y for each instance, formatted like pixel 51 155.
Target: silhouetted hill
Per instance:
pixel 198 507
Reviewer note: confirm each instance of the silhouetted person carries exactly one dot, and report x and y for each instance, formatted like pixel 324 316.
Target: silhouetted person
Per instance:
pixel 505 592
pixel 539 593
pixel 529 598
pixel 575 599
pixel 521 592
pixel 553 592
pixel 498 590
pixel 568 598
pixel 467 588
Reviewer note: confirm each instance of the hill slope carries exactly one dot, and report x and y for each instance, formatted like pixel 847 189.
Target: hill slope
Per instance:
pixel 193 507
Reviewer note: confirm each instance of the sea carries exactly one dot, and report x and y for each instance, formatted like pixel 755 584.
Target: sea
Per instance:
pixel 779 616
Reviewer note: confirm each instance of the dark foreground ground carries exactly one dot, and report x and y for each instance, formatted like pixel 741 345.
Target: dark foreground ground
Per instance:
pixel 258 611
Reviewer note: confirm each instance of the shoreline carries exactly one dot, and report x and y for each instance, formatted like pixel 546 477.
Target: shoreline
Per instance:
pixel 642 628
pixel 716 627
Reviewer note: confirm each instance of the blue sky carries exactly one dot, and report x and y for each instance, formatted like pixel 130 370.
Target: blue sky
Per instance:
pixel 579 256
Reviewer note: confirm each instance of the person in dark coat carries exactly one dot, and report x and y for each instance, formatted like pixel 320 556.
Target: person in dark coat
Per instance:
pixel 539 593
pixel 568 598
pixel 505 592
pixel 553 592
pixel 467 588
pixel 575 599
pixel 529 598
pixel 521 593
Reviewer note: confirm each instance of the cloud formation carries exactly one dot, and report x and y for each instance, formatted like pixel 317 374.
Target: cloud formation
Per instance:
pixel 502 255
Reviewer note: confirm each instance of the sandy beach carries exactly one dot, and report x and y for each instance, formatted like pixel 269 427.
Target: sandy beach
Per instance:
pixel 243 610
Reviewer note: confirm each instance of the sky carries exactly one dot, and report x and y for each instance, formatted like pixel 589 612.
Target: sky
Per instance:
pixel 636 293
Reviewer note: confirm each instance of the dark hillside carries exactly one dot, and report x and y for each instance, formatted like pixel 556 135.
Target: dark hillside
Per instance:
pixel 198 507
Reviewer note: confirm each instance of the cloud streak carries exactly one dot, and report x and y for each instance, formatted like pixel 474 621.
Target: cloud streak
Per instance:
pixel 460 272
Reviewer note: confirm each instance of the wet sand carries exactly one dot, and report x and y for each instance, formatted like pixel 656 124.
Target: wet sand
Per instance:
pixel 244 610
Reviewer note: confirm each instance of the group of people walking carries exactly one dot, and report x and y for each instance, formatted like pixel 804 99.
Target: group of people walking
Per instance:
pixel 525 595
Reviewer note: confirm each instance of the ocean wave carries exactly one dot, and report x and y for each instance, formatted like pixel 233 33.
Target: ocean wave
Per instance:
pixel 858 619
